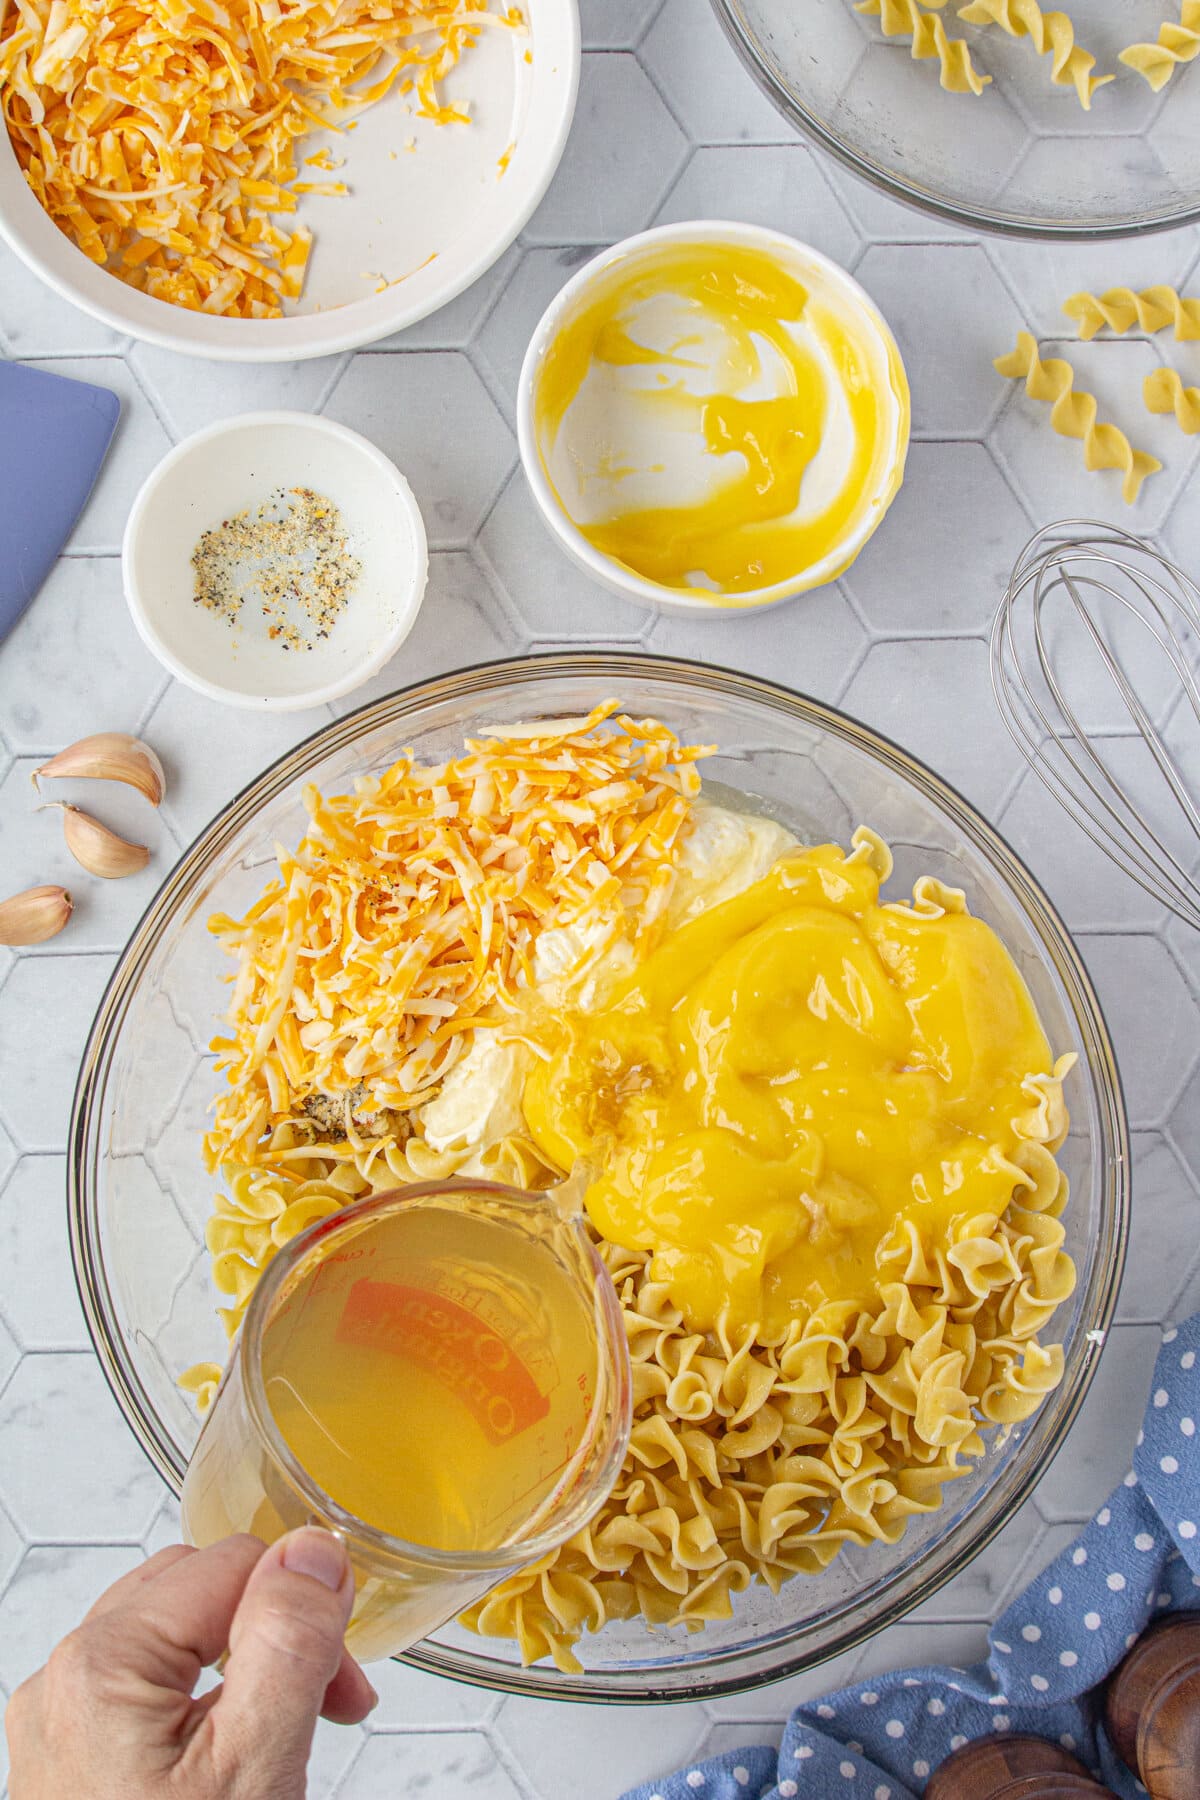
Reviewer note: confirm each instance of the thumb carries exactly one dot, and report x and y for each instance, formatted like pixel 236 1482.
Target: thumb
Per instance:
pixel 285 1647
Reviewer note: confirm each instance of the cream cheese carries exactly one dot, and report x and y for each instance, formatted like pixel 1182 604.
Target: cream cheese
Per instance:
pixel 480 1100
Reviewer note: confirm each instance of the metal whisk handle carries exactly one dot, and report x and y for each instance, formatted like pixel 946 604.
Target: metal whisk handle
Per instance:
pixel 1082 593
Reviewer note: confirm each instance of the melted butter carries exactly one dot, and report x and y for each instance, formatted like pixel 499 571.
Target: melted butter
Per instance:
pixel 785 1081
pixel 748 532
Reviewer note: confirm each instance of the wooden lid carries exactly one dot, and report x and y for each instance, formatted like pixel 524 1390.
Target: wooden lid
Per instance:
pixel 984 1768
pixel 1057 1786
pixel 1168 1737
pixel 1168 1647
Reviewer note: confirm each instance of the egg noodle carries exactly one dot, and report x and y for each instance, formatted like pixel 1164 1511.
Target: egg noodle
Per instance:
pixel 401 942
pixel 160 135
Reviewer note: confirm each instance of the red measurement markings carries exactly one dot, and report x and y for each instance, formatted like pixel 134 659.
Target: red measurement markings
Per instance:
pixel 453 1344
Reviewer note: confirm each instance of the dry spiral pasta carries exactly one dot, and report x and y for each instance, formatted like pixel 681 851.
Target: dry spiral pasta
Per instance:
pixel 905 18
pixel 1164 392
pixel 1051 34
pixel 1073 414
pixel 1177 42
pixel 1120 309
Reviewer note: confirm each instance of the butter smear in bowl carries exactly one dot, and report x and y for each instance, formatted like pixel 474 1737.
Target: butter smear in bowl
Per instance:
pixel 713 415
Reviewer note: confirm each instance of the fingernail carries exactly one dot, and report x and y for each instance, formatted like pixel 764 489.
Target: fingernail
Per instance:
pixel 317 1554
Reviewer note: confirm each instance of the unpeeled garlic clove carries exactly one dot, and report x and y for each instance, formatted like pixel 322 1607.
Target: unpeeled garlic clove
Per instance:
pixel 37 914
pixel 109 756
pixel 100 850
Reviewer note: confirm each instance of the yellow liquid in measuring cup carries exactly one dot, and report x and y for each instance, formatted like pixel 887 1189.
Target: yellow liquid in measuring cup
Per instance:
pixel 434 1377
pixel 432 1372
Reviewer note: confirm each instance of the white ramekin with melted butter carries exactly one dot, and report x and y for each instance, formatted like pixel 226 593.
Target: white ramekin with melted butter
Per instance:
pixel 712 415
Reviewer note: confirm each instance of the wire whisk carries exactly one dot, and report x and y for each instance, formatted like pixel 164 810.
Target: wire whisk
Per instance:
pixel 1087 598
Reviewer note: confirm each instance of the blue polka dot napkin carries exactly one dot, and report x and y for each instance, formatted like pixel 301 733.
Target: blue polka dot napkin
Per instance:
pixel 1139 1557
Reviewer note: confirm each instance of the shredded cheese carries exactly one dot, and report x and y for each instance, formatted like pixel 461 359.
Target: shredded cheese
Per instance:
pixel 410 911
pixel 160 135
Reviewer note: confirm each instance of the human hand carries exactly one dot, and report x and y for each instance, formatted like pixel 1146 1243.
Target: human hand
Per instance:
pixel 111 1716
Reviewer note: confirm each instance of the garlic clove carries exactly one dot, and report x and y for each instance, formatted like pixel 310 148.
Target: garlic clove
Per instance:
pixel 109 756
pixel 37 914
pixel 100 850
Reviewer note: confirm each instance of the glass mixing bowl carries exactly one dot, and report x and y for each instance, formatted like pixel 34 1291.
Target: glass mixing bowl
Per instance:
pixel 139 1195
pixel 1023 157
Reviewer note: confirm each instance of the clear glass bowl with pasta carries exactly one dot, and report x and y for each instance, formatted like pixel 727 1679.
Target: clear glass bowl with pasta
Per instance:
pixel 1014 150
pixel 139 1195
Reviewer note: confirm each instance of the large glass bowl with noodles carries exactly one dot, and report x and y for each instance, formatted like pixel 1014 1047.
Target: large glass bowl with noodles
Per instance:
pixel 140 1195
pixel 1021 154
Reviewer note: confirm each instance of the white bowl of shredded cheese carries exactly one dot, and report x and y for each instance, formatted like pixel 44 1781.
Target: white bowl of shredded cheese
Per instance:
pixel 221 200
pixel 274 561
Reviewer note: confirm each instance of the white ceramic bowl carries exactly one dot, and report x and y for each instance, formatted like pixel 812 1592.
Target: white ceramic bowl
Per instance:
pixel 237 464
pixel 577 294
pixel 429 223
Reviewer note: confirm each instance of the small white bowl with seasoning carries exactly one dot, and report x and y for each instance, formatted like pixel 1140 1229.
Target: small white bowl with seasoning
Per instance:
pixel 712 415
pixel 274 561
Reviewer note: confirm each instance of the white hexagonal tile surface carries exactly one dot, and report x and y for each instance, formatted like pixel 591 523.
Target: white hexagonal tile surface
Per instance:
pixel 553 1758
pixel 1103 1435
pixel 1140 990
pixel 72 1470
pixel 553 599
pixel 213 750
pixel 679 52
pixel 34 321
pixel 956 729
pixel 431 1762
pixel 458 323
pixel 406 1694
pixel 37 1288
pixel 1166 1220
pixel 947 344
pixel 1075 873
pixel 623 150
pixel 951 581
pixel 58 994
pixel 821 631
pixel 785 187
pixel 506 332
pixel 432 415
pixel 463 619
pixel 615 24
pixel 48 699
pixel 190 395
pixel 10 1355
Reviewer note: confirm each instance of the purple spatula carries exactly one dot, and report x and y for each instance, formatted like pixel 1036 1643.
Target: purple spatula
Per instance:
pixel 53 437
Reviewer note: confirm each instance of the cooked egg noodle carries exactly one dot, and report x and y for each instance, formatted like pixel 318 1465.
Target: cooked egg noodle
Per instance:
pixel 753 1456
pixel 758 1460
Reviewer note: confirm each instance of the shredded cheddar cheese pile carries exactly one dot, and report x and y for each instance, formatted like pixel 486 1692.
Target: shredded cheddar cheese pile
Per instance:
pixel 410 911
pixel 160 134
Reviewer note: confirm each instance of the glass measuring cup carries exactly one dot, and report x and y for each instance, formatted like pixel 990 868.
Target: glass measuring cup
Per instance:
pixel 440 1375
